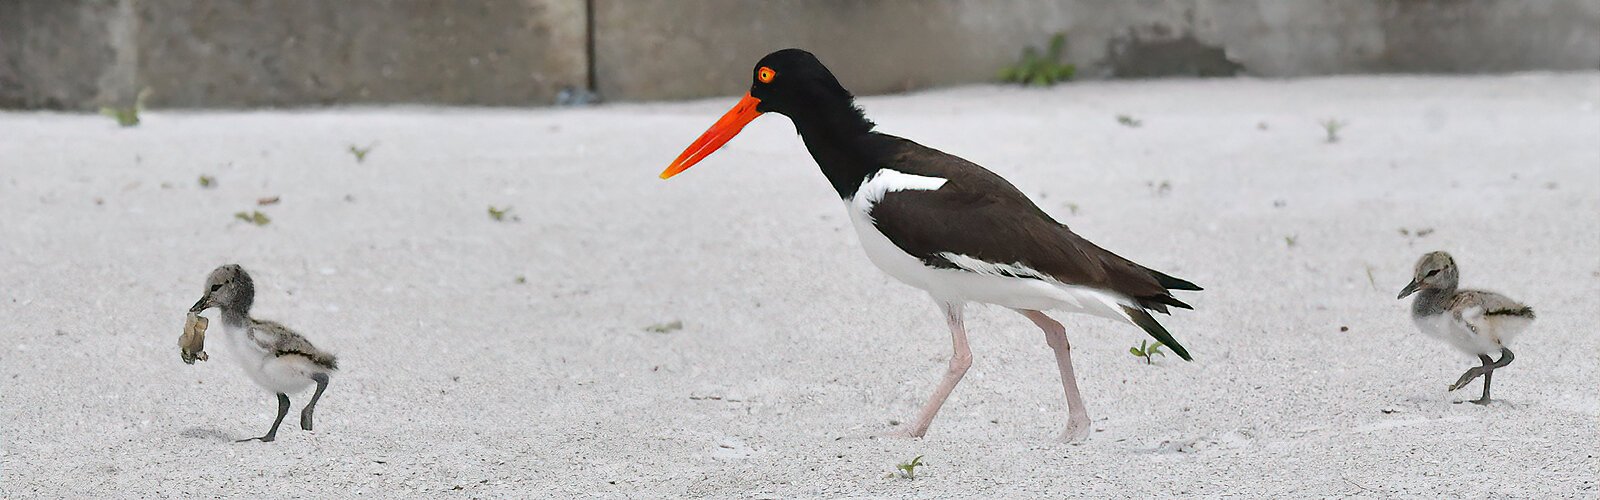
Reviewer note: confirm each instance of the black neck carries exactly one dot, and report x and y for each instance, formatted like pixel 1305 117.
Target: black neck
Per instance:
pixel 835 132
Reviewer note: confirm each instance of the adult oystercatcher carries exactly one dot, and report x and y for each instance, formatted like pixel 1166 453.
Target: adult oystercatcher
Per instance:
pixel 1473 321
pixel 950 227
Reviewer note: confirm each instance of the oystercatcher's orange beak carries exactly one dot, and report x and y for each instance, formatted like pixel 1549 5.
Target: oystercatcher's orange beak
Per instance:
pixel 720 133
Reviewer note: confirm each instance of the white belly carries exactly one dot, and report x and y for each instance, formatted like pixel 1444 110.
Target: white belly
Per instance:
pixel 957 286
pixel 1445 327
pixel 286 375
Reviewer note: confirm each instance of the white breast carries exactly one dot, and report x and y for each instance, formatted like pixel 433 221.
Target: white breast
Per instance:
pixel 288 374
pixel 1455 332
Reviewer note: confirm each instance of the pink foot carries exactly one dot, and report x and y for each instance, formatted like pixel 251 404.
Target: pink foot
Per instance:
pixel 1077 431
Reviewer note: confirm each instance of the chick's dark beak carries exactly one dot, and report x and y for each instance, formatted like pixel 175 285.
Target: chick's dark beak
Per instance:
pixel 201 305
pixel 1410 289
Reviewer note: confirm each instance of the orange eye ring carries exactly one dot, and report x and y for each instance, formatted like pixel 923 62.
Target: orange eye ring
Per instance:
pixel 765 74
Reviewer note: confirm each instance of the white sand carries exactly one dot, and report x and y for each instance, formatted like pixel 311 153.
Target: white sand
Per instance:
pixel 460 382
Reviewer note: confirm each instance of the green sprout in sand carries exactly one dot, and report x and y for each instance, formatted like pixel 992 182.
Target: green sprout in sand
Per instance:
pixel 127 116
pixel 908 470
pixel 499 214
pixel 1331 126
pixel 1146 350
pixel 361 153
pixel 253 217
pixel 1161 189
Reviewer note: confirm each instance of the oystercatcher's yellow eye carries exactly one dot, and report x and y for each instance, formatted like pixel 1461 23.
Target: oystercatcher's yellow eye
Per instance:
pixel 765 74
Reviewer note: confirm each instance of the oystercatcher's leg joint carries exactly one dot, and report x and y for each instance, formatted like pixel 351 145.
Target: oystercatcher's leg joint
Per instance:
pixel 1055 336
pixel 960 361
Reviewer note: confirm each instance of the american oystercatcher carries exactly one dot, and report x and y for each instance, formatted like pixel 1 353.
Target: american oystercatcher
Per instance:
pixel 275 357
pixel 950 227
pixel 1473 321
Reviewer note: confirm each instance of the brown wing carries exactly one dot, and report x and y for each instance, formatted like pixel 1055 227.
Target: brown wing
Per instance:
pixel 1493 304
pixel 980 215
pixel 282 342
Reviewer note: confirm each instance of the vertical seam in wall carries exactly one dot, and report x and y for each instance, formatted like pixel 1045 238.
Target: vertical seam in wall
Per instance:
pixel 588 46
pixel 119 80
pixel 134 76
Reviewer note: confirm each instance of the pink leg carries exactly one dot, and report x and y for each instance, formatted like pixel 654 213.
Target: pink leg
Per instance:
pixel 959 363
pixel 1056 336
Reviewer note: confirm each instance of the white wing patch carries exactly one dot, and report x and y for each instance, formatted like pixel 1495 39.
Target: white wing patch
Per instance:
pixel 992 269
pixel 887 181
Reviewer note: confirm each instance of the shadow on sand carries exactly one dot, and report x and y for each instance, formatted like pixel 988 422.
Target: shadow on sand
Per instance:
pixel 207 434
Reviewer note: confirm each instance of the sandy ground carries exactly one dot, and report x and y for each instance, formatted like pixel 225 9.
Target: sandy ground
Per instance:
pixel 795 353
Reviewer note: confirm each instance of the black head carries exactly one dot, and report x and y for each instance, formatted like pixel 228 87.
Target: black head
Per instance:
pixel 793 81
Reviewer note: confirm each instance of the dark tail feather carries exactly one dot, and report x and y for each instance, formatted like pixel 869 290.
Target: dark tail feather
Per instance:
pixel 324 360
pixel 1171 283
pixel 1158 303
pixel 1526 312
pixel 1149 324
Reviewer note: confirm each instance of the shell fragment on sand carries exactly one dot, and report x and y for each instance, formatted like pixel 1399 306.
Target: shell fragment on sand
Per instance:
pixel 192 344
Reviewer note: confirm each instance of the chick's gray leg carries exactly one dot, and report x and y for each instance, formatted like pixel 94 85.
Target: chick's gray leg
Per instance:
pixel 1486 371
pixel 283 409
pixel 305 414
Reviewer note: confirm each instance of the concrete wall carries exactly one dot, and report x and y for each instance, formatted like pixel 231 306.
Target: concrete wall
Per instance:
pixel 79 54
pixel 59 54
pixel 697 48
pixel 250 53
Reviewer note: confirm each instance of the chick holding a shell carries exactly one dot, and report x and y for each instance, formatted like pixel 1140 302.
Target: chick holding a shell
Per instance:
pixel 275 357
pixel 192 344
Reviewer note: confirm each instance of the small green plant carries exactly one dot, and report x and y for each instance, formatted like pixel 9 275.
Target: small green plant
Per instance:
pixel 522 280
pixel 1146 350
pixel 1291 240
pixel 1420 232
pixel 499 214
pixel 1331 126
pixel 1159 189
pixel 1041 69
pixel 207 181
pixel 129 116
pixel 253 217
pixel 1129 121
pixel 908 470
pixel 669 327
pixel 1073 208
pixel 361 153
